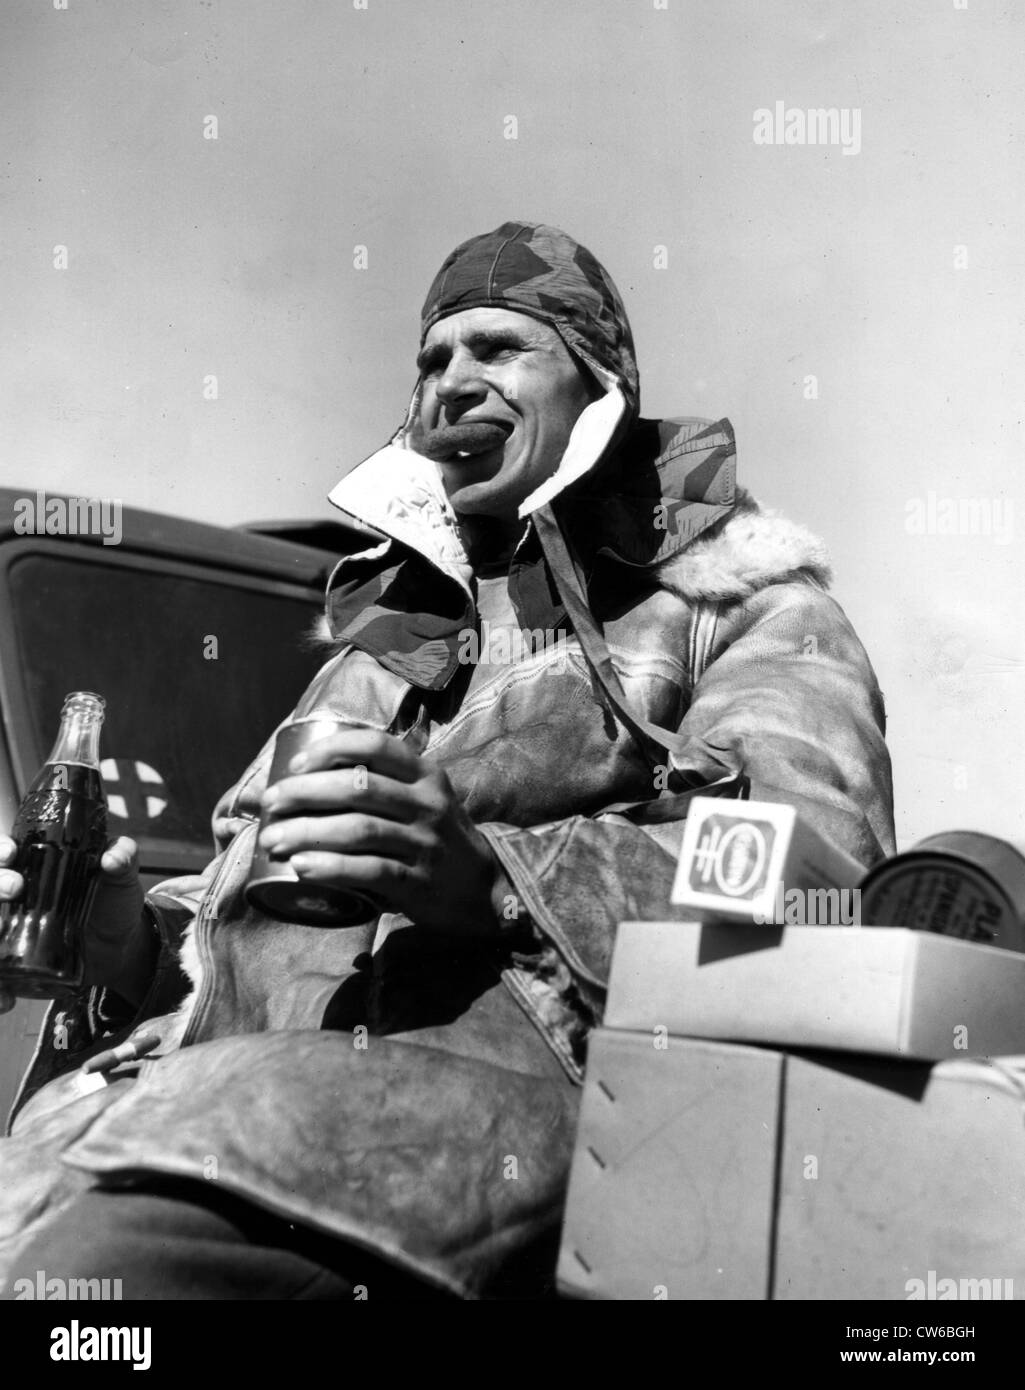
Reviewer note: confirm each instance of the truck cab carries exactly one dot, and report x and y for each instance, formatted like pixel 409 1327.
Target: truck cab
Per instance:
pixel 198 638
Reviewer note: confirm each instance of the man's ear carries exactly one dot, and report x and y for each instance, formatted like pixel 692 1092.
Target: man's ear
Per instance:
pixel 595 390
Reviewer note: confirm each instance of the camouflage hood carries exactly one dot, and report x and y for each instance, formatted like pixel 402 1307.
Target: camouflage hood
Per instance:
pixel 530 269
pixel 665 484
pixel 540 271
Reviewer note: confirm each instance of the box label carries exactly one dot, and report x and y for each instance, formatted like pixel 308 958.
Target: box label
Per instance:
pixel 732 856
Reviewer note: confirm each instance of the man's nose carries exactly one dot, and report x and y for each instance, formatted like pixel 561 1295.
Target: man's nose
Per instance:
pixel 462 379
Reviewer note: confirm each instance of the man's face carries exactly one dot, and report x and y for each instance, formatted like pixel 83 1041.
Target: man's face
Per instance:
pixel 501 394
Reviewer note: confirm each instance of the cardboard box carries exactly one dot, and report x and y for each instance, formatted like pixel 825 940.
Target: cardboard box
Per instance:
pixel 646 1215
pixel 758 861
pixel 708 1170
pixel 860 989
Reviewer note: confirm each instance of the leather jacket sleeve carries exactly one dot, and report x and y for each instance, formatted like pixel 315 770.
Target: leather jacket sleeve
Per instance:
pixel 79 1026
pixel 789 699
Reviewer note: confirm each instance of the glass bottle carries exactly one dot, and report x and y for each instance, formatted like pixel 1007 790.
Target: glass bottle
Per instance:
pixel 61 833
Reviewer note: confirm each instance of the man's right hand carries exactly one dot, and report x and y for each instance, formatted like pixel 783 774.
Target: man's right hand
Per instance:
pixel 119 950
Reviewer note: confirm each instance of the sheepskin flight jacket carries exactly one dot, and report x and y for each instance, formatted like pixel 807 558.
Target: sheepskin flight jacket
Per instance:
pixel 382 1096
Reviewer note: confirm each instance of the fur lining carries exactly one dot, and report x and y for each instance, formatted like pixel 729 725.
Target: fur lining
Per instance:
pixel 188 957
pixel 748 549
pixel 319 637
pixel 744 552
pixel 192 968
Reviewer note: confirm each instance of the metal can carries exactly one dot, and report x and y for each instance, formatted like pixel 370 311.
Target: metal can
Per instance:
pixel 960 883
pixel 273 885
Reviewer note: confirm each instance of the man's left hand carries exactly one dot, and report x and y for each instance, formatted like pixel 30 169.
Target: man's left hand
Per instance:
pixel 364 811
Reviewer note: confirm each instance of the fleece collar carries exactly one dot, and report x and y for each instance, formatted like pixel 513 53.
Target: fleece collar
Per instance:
pixel 750 549
pixel 669 481
pixel 405 599
pixel 400 492
pixel 637 501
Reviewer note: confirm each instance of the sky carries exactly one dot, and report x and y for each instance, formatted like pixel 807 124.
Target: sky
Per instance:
pixel 253 196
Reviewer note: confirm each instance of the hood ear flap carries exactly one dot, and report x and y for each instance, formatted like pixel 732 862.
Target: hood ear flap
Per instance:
pixel 399 437
pixel 597 427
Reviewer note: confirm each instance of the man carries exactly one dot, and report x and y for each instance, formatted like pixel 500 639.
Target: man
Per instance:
pixel 569 620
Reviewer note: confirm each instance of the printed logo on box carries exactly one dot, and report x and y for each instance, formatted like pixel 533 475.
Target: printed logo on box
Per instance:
pixel 732 856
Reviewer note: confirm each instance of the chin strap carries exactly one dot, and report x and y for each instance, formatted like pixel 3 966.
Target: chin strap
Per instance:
pixel 664 750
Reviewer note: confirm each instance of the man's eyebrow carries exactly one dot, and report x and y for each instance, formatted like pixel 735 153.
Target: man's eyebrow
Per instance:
pixel 482 339
pixel 429 356
pixel 496 337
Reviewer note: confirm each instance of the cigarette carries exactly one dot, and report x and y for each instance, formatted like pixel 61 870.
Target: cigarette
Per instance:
pixel 126 1052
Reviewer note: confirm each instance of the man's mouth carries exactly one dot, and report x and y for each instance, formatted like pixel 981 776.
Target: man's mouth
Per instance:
pixel 459 442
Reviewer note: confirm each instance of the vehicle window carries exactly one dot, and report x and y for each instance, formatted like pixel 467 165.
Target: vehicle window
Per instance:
pixel 196 672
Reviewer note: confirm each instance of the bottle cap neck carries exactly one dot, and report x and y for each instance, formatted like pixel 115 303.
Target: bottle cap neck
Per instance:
pixel 78 740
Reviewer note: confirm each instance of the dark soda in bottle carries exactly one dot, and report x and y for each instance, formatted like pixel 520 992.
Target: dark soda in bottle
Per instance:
pixel 61 833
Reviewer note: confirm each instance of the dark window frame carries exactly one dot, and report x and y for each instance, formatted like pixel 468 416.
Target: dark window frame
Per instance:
pixel 23 757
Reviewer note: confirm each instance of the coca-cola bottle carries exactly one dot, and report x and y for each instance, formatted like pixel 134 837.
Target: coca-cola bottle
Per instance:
pixel 61 833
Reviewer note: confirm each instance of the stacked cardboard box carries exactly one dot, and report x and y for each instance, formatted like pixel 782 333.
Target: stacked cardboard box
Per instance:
pixel 797 1112
pixel 710 1170
pixel 890 990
